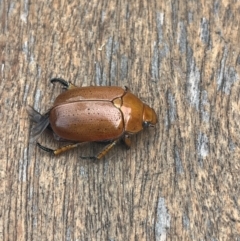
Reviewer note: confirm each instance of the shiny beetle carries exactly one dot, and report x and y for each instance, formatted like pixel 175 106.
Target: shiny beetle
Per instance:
pixel 93 114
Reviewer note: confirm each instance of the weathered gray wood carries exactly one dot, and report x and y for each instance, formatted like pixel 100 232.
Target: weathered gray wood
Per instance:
pixel 177 182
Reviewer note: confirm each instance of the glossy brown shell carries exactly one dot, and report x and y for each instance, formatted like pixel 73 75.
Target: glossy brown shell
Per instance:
pixel 87 121
pixel 87 114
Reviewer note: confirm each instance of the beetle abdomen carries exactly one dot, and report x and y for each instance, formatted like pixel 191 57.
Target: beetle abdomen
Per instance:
pixel 87 121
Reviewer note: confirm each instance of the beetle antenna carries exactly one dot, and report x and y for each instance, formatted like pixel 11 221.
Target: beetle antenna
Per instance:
pixel 45 148
pixel 61 81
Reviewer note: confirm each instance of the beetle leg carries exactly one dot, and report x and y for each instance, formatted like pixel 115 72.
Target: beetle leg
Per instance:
pixel 61 81
pixel 127 141
pixel 59 150
pixel 66 85
pixel 126 89
pixel 45 148
pixel 103 152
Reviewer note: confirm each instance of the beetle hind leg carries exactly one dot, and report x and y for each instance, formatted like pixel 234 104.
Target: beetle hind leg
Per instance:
pixel 72 146
pixel 58 150
pixel 103 152
pixel 66 85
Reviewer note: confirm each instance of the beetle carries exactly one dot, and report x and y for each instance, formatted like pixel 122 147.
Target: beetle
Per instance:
pixel 93 114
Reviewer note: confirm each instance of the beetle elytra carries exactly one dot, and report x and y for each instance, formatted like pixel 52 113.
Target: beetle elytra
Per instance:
pixel 93 114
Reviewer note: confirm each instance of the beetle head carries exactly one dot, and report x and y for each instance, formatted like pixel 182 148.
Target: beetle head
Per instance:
pixel 149 116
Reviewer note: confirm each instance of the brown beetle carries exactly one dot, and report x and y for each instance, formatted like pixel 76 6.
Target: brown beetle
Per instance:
pixel 93 114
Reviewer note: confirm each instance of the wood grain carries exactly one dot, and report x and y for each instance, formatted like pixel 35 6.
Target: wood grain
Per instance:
pixel 179 181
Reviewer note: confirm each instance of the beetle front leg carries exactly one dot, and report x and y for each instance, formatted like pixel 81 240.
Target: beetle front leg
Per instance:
pixel 127 141
pixel 103 152
pixel 59 150
pixel 66 85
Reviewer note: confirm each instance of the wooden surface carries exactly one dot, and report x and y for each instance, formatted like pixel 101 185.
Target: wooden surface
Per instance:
pixel 179 181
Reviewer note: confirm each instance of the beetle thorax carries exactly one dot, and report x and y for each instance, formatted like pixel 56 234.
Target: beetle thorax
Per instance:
pixel 132 110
